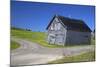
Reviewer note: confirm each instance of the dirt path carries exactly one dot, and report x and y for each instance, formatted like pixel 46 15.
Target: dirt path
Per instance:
pixel 32 53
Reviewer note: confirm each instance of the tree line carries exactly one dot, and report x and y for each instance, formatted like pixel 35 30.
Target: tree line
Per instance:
pixel 15 28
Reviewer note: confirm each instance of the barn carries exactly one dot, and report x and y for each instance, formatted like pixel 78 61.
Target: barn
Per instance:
pixel 64 31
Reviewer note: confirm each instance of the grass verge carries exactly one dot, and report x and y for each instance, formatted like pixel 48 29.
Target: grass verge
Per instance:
pixel 38 37
pixel 14 45
pixel 89 56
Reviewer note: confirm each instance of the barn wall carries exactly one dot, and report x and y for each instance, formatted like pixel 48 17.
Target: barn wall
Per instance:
pixel 56 36
pixel 74 37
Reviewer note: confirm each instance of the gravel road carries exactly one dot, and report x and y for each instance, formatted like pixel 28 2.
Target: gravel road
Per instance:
pixel 30 53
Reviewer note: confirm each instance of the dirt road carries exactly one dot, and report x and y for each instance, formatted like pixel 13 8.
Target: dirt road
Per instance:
pixel 32 53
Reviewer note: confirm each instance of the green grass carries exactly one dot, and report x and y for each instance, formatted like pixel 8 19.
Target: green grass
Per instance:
pixel 89 56
pixel 38 37
pixel 93 41
pixel 14 45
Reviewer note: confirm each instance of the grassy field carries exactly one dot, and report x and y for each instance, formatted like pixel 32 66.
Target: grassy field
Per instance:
pixel 14 45
pixel 38 37
pixel 89 56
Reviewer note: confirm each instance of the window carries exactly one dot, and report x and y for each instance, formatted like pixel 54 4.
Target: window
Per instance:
pixel 52 26
pixel 58 26
pixel 55 26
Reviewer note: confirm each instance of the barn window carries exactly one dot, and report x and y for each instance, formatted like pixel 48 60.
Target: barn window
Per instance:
pixel 52 26
pixel 58 26
pixel 55 26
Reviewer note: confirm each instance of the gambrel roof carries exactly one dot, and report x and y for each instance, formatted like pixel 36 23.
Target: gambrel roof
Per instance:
pixel 72 24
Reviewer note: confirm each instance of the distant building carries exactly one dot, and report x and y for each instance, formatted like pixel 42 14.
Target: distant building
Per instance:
pixel 62 31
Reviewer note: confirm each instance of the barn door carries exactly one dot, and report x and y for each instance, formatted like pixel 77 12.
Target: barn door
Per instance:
pixel 52 40
pixel 60 40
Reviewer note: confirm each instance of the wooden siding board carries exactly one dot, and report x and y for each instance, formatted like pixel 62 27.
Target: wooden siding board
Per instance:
pixel 79 37
pixel 58 34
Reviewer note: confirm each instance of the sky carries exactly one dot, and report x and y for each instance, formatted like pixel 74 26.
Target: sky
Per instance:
pixel 36 16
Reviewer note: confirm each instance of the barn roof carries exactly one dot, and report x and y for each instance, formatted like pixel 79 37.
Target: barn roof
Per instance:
pixel 74 23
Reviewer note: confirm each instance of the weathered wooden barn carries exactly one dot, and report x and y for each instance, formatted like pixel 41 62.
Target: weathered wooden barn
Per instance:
pixel 64 31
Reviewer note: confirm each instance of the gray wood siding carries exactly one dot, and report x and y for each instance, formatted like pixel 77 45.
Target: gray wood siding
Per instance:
pixel 74 37
pixel 56 35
